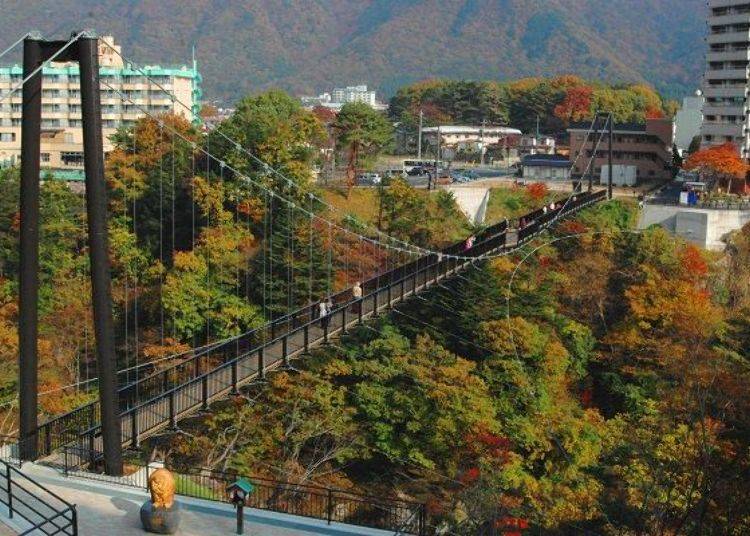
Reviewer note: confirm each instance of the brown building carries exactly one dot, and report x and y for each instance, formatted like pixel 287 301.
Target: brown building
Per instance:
pixel 646 147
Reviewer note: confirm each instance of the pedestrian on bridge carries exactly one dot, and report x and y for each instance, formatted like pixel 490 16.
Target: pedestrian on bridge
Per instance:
pixel 469 243
pixel 325 307
pixel 357 297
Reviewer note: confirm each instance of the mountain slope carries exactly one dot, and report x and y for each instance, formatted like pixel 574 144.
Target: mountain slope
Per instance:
pixel 311 45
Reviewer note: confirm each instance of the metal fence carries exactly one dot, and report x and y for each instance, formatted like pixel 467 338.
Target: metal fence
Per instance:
pixel 38 510
pixel 329 504
pixel 709 204
pixel 161 399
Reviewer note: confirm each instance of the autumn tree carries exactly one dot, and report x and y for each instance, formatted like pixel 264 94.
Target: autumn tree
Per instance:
pixel 576 106
pixel 721 163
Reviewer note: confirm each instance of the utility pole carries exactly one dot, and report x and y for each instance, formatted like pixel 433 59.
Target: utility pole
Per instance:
pixel 481 142
pixel 437 161
pixel 419 136
pixel 609 157
pixel 507 152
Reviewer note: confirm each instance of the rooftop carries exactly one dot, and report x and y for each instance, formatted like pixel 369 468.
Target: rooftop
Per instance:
pixel 466 129
pixel 546 160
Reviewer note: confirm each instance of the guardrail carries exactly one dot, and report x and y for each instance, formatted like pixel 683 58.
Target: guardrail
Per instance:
pixel 38 510
pixel 318 502
pixel 711 204
pixel 159 400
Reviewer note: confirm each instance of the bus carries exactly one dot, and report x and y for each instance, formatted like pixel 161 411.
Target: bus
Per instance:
pixel 409 165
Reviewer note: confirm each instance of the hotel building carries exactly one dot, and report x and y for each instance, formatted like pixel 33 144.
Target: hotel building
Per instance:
pixel 62 135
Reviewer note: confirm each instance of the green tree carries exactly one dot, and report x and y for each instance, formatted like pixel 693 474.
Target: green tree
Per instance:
pixel 279 133
pixel 360 131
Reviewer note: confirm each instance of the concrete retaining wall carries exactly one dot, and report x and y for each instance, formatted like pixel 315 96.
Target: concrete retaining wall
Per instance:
pixel 704 227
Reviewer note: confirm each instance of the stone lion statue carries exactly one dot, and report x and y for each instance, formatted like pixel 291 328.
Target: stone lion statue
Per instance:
pixel 161 484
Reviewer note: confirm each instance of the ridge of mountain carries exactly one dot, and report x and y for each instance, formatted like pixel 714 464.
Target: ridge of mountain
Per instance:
pixel 307 46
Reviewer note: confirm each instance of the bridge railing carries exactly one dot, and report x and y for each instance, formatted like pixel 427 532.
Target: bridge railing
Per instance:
pixel 159 399
pixel 37 509
pixel 319 502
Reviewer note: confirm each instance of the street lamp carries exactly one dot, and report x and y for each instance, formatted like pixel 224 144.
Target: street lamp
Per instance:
pixel 238 493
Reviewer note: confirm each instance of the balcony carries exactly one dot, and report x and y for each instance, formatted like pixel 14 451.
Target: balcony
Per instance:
pixel 726 74
pixel 728 37
pixel 724 91
pixel 729 18
pixel 728 55
pixel 719 128
pixel 723 109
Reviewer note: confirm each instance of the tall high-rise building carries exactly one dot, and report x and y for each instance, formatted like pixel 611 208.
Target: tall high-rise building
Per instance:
pixel 725 85
pixel 62 135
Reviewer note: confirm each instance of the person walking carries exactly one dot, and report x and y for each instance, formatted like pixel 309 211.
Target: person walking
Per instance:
pixel 357 297
pixel 324 314
pixel 469 243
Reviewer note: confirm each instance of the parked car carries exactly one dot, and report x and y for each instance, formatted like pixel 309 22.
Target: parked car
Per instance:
pixel 369 179
pixel 459 175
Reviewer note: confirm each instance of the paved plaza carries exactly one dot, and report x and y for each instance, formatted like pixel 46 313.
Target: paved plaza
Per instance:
pixel 112 510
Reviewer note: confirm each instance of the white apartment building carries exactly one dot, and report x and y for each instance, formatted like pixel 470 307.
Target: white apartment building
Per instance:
pixel 62 135
pixel 353 94
pixel 725 85
pixel 462 137
pixel 688 120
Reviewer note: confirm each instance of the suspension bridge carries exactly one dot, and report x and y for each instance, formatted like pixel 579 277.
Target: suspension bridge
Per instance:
pixel 141 401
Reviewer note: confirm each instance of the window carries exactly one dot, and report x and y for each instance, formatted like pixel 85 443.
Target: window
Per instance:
pixel 70 158
pixel 44 157
pixel 69 137
pixel 7 137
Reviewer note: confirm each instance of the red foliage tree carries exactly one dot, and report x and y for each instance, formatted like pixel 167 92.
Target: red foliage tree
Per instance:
pixel 693 262
pixel 652 112
pixel 723 162
pixel 576 106
pixel 324 115
pixel 537 191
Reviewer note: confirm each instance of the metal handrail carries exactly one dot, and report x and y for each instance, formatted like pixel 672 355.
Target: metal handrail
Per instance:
pixel 66 510
pixel 83 463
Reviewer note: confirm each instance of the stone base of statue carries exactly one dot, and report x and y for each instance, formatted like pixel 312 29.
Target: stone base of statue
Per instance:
pixel 160 520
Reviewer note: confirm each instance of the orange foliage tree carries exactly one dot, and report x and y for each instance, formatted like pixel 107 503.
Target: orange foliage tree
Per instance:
pixel 576 106
pixel 723 163
pixel 537 191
